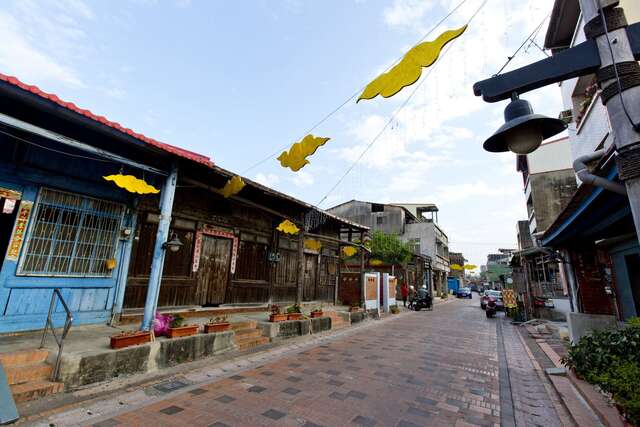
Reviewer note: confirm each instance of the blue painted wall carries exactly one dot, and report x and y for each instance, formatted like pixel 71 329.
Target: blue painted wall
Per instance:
pixel 24 300
pixel 453 284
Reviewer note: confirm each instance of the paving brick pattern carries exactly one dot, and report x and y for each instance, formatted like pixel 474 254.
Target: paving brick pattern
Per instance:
pixel 439 368
pixel 434 368
pixel 532 405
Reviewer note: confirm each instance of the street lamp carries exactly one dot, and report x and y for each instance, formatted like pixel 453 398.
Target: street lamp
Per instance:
pixel 174 244
pixel 523 131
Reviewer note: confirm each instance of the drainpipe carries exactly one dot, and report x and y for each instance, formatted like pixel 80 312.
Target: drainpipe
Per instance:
pixel 157 264
pixel 580 167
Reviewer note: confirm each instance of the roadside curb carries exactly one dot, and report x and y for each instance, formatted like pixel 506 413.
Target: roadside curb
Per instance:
pixel 607 414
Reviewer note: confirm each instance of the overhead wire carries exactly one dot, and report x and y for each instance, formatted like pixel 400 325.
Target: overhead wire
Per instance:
pixel 397 111
pixel 510 58
pixel 346 101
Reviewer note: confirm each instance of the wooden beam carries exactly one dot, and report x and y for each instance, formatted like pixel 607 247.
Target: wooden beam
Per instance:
pixel 242 200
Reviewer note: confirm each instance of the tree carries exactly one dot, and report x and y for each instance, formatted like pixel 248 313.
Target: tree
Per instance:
pixel 390 249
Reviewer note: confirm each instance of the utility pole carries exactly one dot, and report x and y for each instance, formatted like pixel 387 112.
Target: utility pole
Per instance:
pixel 626 135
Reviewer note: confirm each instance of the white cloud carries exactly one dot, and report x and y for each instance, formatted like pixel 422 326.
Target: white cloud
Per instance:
pixel 19 57
pixel 407 13
pixel 268 179
pixel 303 179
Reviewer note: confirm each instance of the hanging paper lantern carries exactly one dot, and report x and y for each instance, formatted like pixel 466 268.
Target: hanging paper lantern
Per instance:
pixel 349 251
pixel 132 184
pixel 232 187
pixel 409 69
pixel 456 267
pixel 375 262
pixel 470 267
pixel 313 245
pixel 288 227
pixel 296 157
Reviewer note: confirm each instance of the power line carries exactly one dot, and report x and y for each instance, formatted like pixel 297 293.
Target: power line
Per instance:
pixel 395 114
pixel 339 107
pixel 510 58
pixel 79 156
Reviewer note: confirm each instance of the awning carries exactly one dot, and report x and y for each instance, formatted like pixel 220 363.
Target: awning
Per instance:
pixel 593 213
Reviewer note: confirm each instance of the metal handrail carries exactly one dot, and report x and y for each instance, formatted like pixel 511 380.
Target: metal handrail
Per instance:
pixel 49 324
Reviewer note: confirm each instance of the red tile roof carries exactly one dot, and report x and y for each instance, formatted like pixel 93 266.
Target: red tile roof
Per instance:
pixel 180 152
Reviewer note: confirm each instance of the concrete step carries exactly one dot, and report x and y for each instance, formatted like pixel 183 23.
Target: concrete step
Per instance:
pixel 23 357
pixel 35 390
pixel 18 374
pixel 247 333
pixel 249 324
pixel 251 343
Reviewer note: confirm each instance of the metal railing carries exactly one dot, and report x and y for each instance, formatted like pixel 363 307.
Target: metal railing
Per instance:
pixel 49 324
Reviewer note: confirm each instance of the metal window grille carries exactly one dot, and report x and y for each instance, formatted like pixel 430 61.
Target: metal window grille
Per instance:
pixel 71 235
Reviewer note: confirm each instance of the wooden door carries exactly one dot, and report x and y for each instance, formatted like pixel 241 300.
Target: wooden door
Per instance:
pixel 310 270
pixel 213 272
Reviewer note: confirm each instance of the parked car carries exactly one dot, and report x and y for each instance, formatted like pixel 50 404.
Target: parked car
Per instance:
pixel 474 288
pixel 464 293
pixel 497 295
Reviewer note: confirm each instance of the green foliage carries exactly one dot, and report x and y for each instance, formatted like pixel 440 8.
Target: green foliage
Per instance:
pixel 390 249
pixel 394 309
pixel 611 359
pixel 177 321
pixel 295 308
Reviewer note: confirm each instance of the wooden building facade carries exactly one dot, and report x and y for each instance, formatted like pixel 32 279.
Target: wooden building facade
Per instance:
pixel 232 252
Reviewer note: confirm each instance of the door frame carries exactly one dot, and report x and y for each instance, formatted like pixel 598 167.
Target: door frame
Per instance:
pixel 209 230
pixel 623 289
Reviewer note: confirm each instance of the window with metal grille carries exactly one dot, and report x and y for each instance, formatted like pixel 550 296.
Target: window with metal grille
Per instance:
pixel 71 235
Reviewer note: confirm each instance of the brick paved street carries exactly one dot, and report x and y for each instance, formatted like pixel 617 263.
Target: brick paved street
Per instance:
pixel 419 369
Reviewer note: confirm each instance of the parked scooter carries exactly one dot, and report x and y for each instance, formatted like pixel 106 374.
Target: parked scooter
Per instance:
pixel 418 304
pixel 492 307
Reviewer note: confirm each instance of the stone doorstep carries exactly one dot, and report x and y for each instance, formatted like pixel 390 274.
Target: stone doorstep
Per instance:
pixel 35 389
pixel 18 374
pixel 23 357
pixel 132 318
pixel 247 333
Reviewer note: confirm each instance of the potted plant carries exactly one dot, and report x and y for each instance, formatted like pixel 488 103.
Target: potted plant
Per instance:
pixel 217 324
pixel 394 309
pixel 294 312
pixel 316 312
pixel 129 338
pixel 276 315
pixel 178 329
pixel 355 307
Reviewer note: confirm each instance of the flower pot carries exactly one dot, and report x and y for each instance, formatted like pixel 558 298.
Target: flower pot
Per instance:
pixel 315 314
pixel 182 331
pixel 294 316
pixel 354 309
pixel 216 327
pixel 127 339
pixel 277 317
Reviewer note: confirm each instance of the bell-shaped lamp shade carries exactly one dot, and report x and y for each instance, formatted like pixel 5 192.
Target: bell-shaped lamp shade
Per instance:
pixel 174 244
pixel 523 131
pixel 524 139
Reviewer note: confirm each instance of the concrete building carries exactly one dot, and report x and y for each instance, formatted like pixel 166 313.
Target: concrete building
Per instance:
pixel 549 182
pixel 595 233
pixel 498 268
pixel 411 222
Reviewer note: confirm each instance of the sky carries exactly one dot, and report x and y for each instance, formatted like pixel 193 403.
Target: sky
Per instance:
pixel 241 80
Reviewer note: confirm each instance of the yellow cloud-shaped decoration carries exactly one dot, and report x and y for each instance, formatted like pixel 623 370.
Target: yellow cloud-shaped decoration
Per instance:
pixel 375 262
pixel 132 184
pixel 409 69
pixel 232 187
pixel 313 245
pixel 349 250
pixel 470 267
pixel 457 267
pixel 296 157
pixel 288 227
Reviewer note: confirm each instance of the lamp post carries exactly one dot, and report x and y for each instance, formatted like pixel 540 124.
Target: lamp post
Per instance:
pixel 611 51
